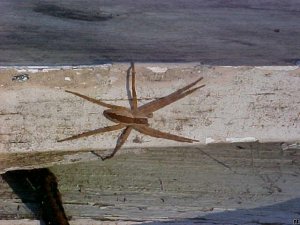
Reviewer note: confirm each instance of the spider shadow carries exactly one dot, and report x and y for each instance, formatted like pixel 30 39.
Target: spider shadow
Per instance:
pixel 129 94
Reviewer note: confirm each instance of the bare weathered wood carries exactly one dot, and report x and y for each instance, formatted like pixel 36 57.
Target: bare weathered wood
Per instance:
pixel 238 183
pixel 91 32
pixel 237 104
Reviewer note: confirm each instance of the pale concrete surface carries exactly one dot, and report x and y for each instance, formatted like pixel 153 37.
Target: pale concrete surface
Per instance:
pixel 238 104
pixel 68 32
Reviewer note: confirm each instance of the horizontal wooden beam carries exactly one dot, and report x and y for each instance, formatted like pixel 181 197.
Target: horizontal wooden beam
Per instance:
pixel 212 32
pixel 238 104
pixel 219 184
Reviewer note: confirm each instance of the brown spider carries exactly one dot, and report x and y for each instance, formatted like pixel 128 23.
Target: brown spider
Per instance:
pixel 136 117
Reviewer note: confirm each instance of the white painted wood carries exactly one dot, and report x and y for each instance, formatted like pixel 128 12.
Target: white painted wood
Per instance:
pixel 237 104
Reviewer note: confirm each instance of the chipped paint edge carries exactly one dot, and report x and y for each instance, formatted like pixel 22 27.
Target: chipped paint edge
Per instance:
pixel 154 67
pixel 240 139
pixel 278 68
pixel 157 69
pixel 36 69
pixel 210 140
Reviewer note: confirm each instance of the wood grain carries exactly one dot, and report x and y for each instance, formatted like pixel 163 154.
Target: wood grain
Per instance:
pixel 220 183
pixel 237 104
pixel 212 32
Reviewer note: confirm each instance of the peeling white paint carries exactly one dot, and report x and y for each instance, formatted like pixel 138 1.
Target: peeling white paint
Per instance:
pixel 157 69
pixel 235 67
pixel 27 70
pixel 35 69
pixel 67 78
pixel 241 139
pixel 209 140
pixel 282 68
pixel 294 146
pixel 105 66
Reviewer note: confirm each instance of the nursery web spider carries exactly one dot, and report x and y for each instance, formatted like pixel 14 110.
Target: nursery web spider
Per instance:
pixel 135 117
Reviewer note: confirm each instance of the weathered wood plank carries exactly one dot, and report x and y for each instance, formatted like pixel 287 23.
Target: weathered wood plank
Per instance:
pixel 221 183
pixel 237 104
pixel 91 32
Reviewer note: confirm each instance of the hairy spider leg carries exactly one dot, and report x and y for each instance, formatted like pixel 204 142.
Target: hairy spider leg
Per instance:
pixel 98 102
pixel 134 106
pixel 164 101
pixel 125 133
pixel 96 131
pixel 159 134
pixel 121 140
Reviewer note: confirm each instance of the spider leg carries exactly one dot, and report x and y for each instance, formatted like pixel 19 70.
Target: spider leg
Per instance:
pixel 92 132
pixel 134 98
pixel 159 134
pixel 164 101
pixel 121 140
pixel 98 102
